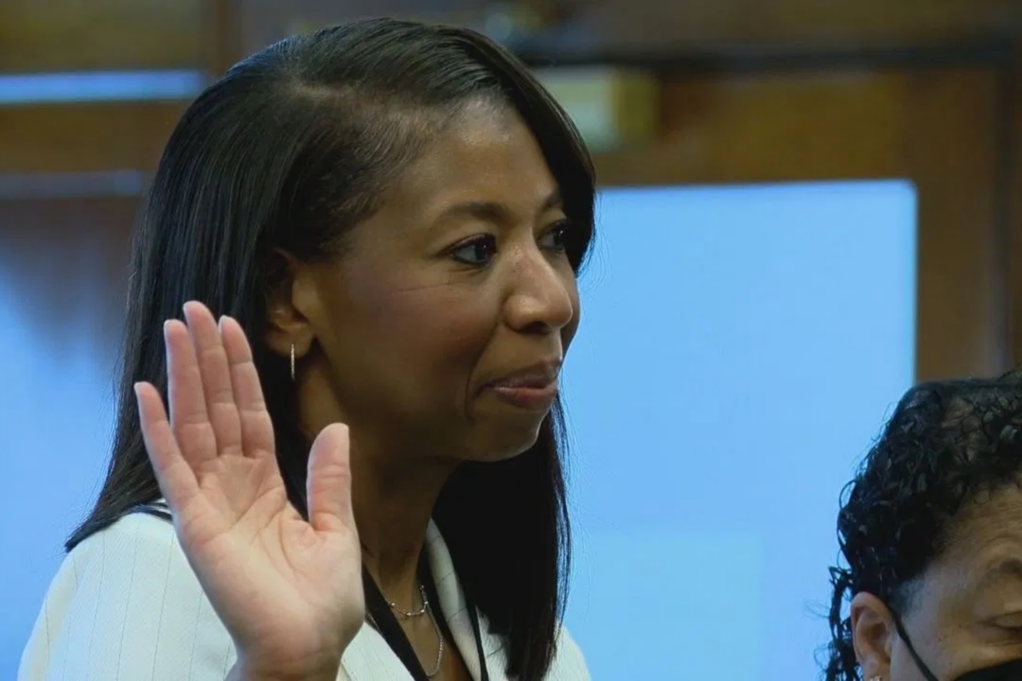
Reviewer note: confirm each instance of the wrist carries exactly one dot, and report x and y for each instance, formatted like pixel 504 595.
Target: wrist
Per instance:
pixel 248 668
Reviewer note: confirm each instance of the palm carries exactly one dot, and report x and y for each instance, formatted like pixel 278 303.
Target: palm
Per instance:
pixel 288 590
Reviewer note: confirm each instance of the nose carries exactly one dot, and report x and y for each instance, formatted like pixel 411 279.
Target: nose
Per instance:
pixel 541 298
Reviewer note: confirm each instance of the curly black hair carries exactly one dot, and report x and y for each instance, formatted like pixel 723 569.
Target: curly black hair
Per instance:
pixel 946 443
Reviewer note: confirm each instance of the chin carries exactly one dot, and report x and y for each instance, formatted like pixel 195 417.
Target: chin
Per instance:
pixel 503 446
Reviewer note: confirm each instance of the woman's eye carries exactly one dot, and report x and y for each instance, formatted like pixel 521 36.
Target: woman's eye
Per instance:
pixel 556 238
pixel 477 252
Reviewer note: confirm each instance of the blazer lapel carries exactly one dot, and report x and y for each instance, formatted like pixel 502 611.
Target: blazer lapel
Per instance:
pixel 454 607
pixel 369 658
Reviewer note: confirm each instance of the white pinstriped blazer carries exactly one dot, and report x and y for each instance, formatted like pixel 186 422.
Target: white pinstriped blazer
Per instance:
pixel 126 606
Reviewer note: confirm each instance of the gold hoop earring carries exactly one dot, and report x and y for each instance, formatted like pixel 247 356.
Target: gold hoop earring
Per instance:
pixel 292 361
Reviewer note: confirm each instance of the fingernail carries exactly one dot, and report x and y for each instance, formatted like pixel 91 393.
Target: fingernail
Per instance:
pixel 136 388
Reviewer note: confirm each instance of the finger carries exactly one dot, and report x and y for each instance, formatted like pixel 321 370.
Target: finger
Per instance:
pixel 173 474
pixel 256 425
pixel 329 483
pixel 189 420
pixel 216 378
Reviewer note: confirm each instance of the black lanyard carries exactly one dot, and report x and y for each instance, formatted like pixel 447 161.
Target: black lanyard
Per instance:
pixel 386 623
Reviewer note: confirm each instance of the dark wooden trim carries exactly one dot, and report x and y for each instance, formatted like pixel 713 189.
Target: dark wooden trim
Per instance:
pixel 990 52
pixel 1011 164
pixel 223 35
pixel 98 35
pixel 85 138
pixel 962 316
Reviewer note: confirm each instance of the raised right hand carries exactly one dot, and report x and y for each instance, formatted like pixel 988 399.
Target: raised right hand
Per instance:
pixel 288 590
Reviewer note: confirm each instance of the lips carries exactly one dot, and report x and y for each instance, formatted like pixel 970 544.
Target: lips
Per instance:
pixel 539 375
pixel 533 388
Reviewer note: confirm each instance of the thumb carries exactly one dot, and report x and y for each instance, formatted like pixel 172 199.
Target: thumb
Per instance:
pixel 329 482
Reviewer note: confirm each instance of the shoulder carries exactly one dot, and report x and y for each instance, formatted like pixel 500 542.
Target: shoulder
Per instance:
pixel 113 552
pixel 138 552
pixel 125 603
pixel 569 663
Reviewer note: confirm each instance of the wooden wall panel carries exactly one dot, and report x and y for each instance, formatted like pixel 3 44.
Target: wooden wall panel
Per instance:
pixel 952 145
pixel 769 128
pixel 85 137
pixel 795 24
pixel 662 25
pixel 1012 187
pixel 71 35
pixel 938 129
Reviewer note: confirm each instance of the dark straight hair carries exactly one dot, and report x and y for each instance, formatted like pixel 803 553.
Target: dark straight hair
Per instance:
pixel 290 150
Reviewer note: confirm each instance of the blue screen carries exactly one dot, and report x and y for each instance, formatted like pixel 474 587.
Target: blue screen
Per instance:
pixel 738 351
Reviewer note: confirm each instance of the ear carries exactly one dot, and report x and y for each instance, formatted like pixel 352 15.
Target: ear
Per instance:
pixel 873 634
pixel 291 302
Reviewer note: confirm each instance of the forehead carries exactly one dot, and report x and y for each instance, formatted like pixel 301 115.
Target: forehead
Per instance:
pixel 986 533
pixel 973 589
pixel 483 152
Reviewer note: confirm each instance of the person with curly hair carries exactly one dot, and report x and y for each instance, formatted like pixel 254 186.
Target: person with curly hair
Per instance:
pixel 931 535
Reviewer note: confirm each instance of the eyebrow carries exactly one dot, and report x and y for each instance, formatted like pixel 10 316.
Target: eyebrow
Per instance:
pixel 492 211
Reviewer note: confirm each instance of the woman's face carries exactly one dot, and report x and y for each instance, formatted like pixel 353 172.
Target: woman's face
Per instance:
pixel 442 330
pixel 966 614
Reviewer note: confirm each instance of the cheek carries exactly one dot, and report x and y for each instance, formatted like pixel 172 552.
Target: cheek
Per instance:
pixel 941 634
pixel 433 332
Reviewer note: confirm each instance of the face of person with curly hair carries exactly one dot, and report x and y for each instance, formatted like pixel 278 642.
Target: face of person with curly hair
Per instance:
pixel 930 529
pixel 962 618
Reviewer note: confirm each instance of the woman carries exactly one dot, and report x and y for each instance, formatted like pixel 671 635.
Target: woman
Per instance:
pixel 391 218
pixel 931 534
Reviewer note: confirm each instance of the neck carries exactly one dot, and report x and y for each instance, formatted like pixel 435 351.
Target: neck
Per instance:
pixel 393 492
pixel 393 502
